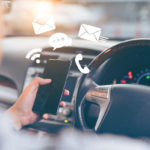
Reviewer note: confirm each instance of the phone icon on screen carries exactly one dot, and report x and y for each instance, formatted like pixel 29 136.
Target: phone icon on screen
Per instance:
pixel 84 70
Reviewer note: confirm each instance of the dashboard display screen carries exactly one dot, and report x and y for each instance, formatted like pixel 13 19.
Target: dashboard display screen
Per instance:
pixel 139 75
pixel 49 96
pixel 70 85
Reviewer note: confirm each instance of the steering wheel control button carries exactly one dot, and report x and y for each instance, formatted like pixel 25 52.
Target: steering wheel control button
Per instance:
pixel 98 94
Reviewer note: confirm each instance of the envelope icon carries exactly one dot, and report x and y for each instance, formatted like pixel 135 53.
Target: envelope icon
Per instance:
pixel 90 33
pixel 43 24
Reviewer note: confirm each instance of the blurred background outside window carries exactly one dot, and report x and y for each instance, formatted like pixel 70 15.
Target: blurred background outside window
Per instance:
pixel 119 19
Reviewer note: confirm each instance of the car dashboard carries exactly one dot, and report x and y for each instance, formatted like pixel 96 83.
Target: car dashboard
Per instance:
pixel 17 72
pixel 65 111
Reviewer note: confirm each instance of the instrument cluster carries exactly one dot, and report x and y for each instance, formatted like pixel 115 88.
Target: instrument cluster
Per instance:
pixel 136 76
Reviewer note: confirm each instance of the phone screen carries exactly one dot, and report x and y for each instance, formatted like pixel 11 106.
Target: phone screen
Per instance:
pixel 48 96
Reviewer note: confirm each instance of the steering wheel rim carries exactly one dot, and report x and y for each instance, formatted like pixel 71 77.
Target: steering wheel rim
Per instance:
pixel 86 82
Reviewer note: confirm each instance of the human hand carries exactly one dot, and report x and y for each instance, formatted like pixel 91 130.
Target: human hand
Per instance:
pixel 21 112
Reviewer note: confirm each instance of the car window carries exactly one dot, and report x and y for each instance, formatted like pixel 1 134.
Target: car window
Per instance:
pixel 119 19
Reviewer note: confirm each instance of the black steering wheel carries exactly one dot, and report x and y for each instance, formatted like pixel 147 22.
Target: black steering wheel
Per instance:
pixel 123 108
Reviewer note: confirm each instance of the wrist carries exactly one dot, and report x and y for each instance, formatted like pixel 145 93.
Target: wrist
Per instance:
pixel 14 116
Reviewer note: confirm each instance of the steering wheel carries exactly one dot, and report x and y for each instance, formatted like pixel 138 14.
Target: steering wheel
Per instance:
pixel 123 108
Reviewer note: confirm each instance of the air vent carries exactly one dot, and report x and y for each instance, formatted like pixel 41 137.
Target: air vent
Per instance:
pixel 48 55
pixel 73 50
pixel 70 52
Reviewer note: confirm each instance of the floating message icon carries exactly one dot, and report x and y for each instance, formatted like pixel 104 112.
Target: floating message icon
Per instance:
pixel 84 70
pixel 90 33
pixel 34 55
pixel 59 40
pixel 42 24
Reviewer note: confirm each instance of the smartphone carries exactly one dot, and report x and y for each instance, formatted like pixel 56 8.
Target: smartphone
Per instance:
pixel 48 96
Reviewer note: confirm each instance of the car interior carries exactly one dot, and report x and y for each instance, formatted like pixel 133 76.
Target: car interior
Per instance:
pixel 113 96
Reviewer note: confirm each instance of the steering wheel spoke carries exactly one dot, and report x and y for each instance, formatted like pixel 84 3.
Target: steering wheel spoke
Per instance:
pixel 99 95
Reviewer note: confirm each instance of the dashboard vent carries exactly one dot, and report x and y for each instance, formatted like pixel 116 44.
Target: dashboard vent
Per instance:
pixel 47 55
pixel 88 55
pixel 73 50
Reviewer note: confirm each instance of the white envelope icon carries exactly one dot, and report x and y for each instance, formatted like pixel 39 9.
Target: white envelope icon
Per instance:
pixel 43 24
pixel 90 33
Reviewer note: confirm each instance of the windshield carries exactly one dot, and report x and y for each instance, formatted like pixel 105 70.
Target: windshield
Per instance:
pixel 118 19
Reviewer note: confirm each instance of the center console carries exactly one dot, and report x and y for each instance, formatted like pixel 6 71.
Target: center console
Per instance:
pixel 65 111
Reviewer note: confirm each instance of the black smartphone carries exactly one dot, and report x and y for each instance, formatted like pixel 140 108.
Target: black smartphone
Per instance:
pixel 48 96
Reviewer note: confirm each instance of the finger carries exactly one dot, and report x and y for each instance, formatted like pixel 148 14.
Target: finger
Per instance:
pixel 66 92
pixel 33 117
pixel 42 81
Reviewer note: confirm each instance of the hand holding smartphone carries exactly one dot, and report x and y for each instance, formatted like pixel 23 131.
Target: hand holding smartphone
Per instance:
pixel 48 96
